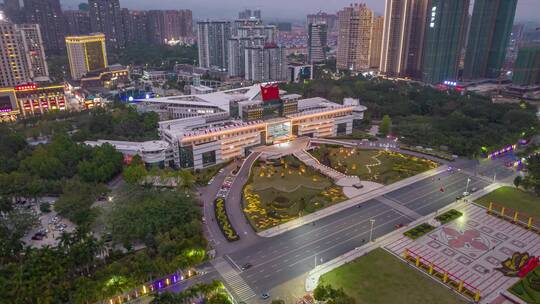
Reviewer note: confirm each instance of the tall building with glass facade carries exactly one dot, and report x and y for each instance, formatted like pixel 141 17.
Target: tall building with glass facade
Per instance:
pixel 317 42
pixel 489 35
pixel 527 66
pixel 446 25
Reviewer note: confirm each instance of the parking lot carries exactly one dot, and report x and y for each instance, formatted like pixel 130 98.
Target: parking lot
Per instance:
pixel 50 226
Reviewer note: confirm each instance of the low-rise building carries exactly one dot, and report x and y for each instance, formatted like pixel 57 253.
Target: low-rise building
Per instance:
pixel 216 127
pixel 155 153
pixel 31 99
pixel 108 77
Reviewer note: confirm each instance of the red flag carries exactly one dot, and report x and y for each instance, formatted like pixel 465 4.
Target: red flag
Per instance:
pixel 442 189
pixel 270 92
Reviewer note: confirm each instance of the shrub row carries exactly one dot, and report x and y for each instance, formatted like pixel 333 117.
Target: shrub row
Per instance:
pixel 433 153
pixel 448 216
pixel 223 221
pixel 418 231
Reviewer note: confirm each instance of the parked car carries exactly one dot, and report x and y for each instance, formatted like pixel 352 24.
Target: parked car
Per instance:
pixel 265 296
pixel 246 266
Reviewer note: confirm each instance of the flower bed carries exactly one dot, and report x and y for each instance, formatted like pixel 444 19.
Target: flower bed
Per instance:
pixel 418 231
pixel 448 216
pixel 223 221
pixel 434 153
pixel 528 288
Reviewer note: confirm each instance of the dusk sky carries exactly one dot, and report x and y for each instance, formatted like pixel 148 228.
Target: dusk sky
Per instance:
pixel 284 9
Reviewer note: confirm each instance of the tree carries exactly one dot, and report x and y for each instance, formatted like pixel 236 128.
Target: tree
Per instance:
pixel 517 181
pixel 332 296
pixel 104 163
pixel 135 172
pixel 386 125
pixel 76 201
pixel 186 179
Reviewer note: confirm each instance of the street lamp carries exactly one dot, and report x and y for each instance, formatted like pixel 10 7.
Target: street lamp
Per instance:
pixel 372 221
pixel 467 186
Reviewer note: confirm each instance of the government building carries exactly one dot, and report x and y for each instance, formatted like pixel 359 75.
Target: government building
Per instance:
pixel 208 129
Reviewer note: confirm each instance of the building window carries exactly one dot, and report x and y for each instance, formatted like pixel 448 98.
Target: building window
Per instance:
pixel 209 158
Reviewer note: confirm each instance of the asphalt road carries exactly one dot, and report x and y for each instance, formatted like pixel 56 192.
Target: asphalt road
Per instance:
pixel 292 254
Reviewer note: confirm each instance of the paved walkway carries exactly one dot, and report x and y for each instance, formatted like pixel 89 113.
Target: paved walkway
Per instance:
pixel 348 204
pixel 311 161
pixel 233 280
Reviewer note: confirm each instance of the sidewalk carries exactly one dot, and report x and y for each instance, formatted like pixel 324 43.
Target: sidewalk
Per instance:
pixel 348 204
pixel 315 274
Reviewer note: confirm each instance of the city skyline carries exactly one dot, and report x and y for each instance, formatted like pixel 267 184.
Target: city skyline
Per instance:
pixel 273 10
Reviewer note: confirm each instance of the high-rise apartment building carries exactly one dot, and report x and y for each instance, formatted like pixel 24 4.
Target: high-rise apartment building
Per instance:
pixel 355 24
pixel 266 63
pixel 86 53
pixel 403 37
pixel 250 14
pixel 527 66
pixel 22 55
pixel 48 14
pixel 213 37
pixel 77 22
pixel 12 4
pixel 12 11
pixel 491 25
pixel 247 33
pixel 34 52
pixel 135 26
pixel 376 42
pixel 106 18
pixel 317 42
pixel 321 17
pixel 13 67
pixel 169 26
pixel 443 39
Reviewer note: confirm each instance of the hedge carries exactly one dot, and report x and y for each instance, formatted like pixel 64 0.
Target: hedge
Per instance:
pixel 433 153
pixel 418 231
pixel 223 221
pixel 448 216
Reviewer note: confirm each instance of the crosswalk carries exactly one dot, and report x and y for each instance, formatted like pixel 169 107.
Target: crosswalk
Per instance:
pixel 232 278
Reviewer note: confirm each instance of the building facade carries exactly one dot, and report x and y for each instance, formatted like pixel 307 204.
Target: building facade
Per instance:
pixel 489 35
pixel 22 54
pixel 48 14
pixel 213 38
pixel 106 18
pixel 317 42
pixel 30 100
pixel 527 66
pixel 86 53
pixel 403 37
pixel 266 63
pixel 443 40
pixel 376 42
pixel 169 26
pixel 355 24
pixel 331 20
pixel 77 22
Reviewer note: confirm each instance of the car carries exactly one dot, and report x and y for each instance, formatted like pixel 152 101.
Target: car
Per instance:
pixel 221 170
pixel 465 193
pixel 474 189
pixel 265 296
pixel 37 237
pixel 203 220
pixel 397 226
pixel 246 266
pixel 211 181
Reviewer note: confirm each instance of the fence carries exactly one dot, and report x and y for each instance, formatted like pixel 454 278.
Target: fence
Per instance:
pixel 514 216
pixel 458 284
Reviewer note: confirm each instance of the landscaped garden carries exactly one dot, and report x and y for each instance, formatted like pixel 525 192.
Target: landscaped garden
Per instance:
pixel 285 189
pixel 223 220
pixel 418 231
pixel 528 288
pixel 515 199
pixel 448 216
pixel 379 277
pixel 380 166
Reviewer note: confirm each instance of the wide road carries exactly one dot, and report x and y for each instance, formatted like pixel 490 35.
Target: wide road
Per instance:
pixel 282 258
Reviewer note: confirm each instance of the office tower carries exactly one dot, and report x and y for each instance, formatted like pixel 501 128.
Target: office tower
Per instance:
pixel 12 11
pixel 376 42
pixel 527 66
pixel 354 38
pixel 491 25
pixel 86 53
pixel 170 26
pixel 106 18
pixel 403 37
pixel 34 52
pixel 321 17
pixel 266 63
pixel 77 22
pixel 13 67
pixel 250 14
pixel 213 37
pixel 135 26
pixel 317 42
pixel 443 38
pixel 49 16
pixel 247 34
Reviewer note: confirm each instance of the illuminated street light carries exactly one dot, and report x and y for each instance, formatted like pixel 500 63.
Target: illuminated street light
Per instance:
pixel 371 230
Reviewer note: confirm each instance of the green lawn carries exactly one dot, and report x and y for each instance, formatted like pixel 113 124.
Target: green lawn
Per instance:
pixel 286 189
pixel 515 199
pixel 528 288
pixel 380 278
pixel 385 167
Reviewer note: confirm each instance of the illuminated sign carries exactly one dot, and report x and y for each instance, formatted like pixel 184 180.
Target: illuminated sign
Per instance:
pixel 24 87
pixel 433 15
